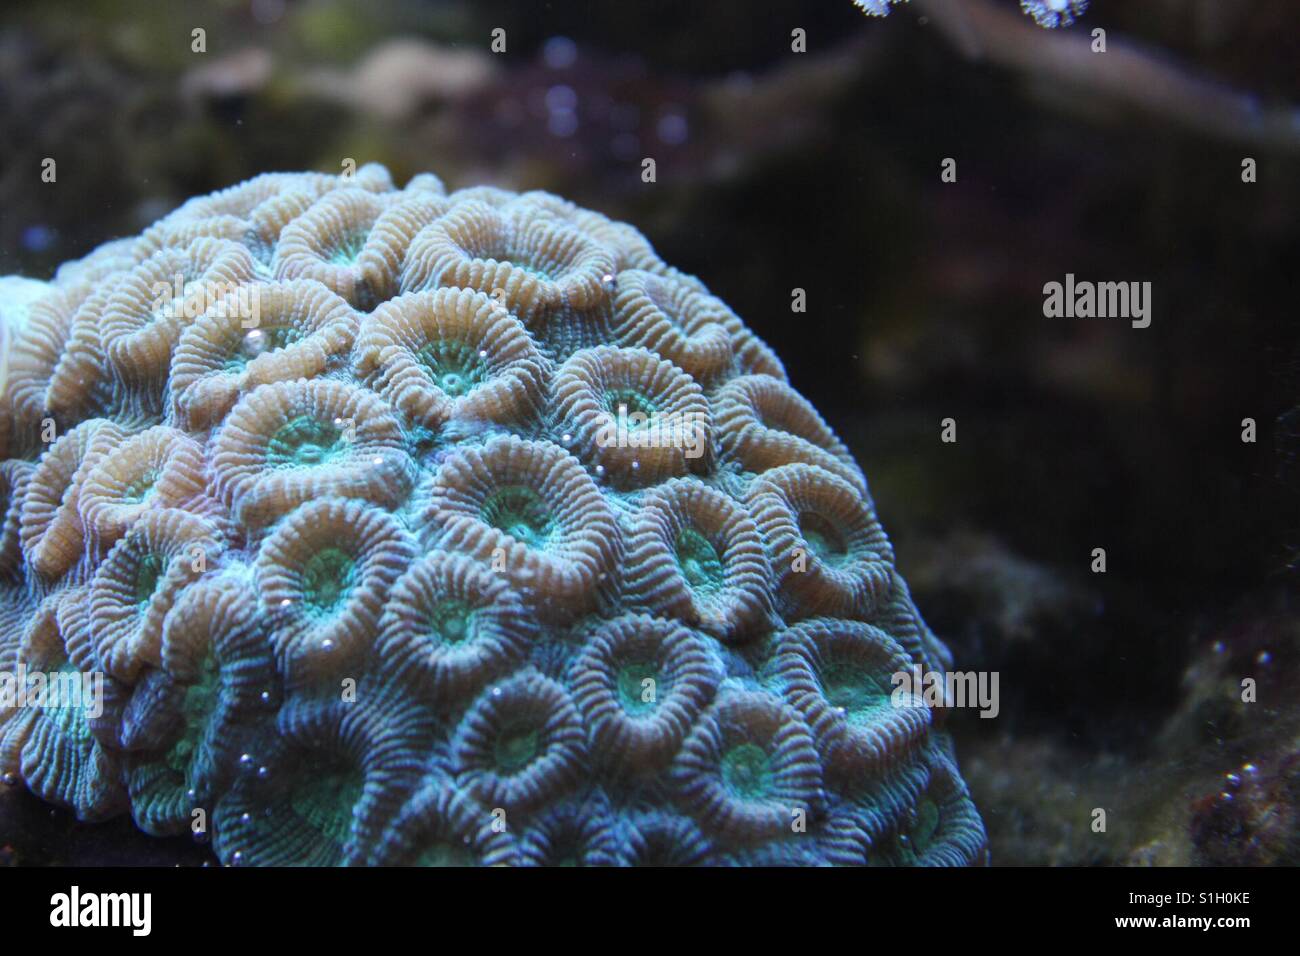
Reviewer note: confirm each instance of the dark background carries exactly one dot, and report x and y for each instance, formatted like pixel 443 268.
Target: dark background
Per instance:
pixel 820 171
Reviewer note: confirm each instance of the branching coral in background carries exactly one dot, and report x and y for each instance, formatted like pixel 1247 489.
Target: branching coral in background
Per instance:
pixel 1046 13
pixel 1126 76
pixel 1054 13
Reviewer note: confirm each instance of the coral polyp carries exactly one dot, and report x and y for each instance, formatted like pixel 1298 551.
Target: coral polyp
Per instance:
pixel 399 526
pixel 452 354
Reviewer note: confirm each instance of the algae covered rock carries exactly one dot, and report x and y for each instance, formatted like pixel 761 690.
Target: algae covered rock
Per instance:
pixel 381 525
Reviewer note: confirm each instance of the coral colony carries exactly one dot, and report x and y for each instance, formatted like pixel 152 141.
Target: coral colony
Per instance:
pixel 1046 13
pixel 334 484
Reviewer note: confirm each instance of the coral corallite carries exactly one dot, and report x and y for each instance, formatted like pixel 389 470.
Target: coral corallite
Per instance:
pixel 395 526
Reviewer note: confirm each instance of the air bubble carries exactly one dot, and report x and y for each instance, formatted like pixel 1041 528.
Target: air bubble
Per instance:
pixel 561 98
pixel 254 344
pixel 559 53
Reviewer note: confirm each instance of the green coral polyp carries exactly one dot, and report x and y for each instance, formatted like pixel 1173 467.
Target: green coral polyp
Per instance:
pixel 699 562
pixel 148 572
pixel 261 341
pixel 746 771
pixel 304 442
pixel 65 714
pixel 456 368
pixel 925 827
pixel 325 800
pixel 445 854
pixel 197 706
pixel 634 694
pixel 348 249
pixel 636 404
pixel 533 270
pixel 854 690
pixel 516 748
pixel 327 579
pixel 823 538
pixel 453 622
pixel 139 490
pixel 521 513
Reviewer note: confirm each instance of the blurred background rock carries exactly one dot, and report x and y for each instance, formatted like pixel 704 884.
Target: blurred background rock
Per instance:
pixel 820 171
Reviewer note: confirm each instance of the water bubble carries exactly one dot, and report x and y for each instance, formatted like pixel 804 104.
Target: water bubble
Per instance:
pixel 38 238
pixel 254 344
pixel 559 53
pixel 672 129
pixel 562 123
pixel 561 98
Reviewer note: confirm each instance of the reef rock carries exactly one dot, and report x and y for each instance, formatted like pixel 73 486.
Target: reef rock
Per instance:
pixel 353 524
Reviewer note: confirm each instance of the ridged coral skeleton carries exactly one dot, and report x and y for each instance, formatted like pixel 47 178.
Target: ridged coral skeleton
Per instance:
pixel 332 486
